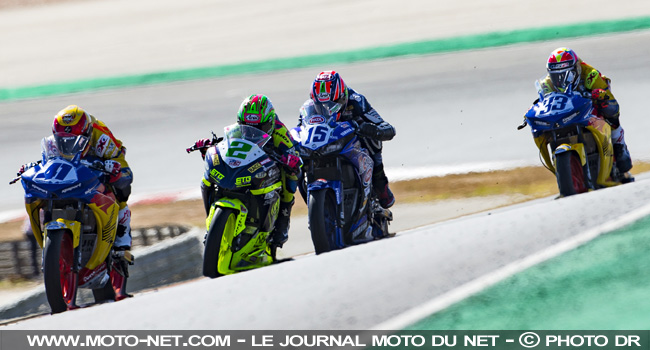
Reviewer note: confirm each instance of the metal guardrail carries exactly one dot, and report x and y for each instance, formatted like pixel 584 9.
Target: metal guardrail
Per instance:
pixel 22 259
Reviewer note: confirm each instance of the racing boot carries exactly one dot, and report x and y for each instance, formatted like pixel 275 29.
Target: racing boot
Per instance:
pixel 122 256
pixel 120 273
pixel 280 232
pixel 380 185
pixel 123 237
pixel 621 154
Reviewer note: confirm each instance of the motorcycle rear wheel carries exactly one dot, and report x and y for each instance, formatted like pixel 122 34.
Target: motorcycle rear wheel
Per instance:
pixel 322 219
pixel 224 219
pixel 59 279
pixel 570 176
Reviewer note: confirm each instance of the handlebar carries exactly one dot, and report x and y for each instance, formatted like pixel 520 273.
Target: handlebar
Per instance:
pixel 96 165
pixel 214 141
pixel 23 168
pixel 522 125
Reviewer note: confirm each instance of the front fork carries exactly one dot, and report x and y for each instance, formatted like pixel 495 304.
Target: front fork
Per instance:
pixel 579 148
pixel 74 226
pixel 334 185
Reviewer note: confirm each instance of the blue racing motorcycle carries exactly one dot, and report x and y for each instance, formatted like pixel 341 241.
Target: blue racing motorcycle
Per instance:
pixel 73 215
pixel 574 141
pixel 336 184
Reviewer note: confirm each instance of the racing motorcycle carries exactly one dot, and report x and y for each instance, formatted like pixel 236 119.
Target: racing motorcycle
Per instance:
pixel 247 205
pixel 336 184
pixel 79 215
pixel 574 142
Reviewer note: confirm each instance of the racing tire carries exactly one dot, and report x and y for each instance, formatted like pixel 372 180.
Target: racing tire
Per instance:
pixel 224 219
pixel 59 279
pixel 322 211
pixel 569 173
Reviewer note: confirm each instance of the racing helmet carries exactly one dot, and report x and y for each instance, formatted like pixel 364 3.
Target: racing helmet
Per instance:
pixel 329 93
pixel 257 111
pixel 71 122
pixel 561 63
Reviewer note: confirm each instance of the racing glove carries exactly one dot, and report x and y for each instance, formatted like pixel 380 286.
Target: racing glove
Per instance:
pixel 600 98
pixel 368 130
pixel 202 145
pixel 599 94
pixel 25 167
pixel 381 132
pixel 114 169
pixel 291 162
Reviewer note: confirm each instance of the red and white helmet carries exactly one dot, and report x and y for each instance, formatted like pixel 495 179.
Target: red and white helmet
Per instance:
pixel 563 67
pixel 329 93
pixel 71 122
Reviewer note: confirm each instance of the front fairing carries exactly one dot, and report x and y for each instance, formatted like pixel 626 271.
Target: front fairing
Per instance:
pixel 64 178
pixel 254 175
pixel 60 178
pixel 239 162
pixel 558 110
pixel 323 135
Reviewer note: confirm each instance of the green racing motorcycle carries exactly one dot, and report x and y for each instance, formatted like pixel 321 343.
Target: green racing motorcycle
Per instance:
pixel 248 189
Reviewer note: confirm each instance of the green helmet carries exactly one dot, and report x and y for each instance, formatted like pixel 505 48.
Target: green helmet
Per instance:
pixel 257 111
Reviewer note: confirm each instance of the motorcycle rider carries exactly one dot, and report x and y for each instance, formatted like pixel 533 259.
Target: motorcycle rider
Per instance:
pixel 331 96
pixel 258 111
pixel 74 121
pixel 566 69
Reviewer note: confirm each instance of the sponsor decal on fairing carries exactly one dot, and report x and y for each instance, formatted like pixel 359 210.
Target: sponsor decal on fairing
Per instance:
pixel 254 167
pixel 71 188
pixel 316 120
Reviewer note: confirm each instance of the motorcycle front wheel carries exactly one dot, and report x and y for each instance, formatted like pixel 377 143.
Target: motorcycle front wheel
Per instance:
pixel 59 278
pixel 224 219
pixel 569 174
pixel 322 219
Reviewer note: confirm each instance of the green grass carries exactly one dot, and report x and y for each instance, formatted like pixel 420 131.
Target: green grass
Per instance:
pixel 603 285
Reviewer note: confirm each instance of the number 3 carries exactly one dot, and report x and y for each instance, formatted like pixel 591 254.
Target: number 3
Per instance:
pixel 555 103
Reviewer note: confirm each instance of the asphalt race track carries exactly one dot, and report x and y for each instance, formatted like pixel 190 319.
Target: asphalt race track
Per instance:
pixel 449 110
pixel 363 286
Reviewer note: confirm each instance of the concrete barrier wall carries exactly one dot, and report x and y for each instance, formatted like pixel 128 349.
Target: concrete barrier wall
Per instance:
pixel 173 260
pixel 22 259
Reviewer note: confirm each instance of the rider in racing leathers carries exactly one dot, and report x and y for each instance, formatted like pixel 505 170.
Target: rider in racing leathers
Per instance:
pixel 331 96
pixel 258 111
pixel 73 121
pixel 566 69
